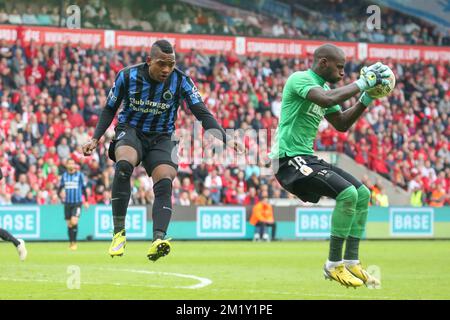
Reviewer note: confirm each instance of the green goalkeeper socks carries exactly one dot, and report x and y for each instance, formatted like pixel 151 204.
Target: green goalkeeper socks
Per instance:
pixel 341 221
pixel 344 212
pixel 362 209
pixel 359 224
pixel 349 222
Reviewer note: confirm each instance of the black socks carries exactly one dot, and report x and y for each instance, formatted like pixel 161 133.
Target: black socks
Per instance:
pixel 162 208
pixel 121 192
pixel 351 248
pixel 336 245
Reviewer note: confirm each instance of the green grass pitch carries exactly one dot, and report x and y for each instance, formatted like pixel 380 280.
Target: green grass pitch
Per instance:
pixel 220 270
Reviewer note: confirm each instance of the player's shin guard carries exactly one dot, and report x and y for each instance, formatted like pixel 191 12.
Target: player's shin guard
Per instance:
pixel 358 225
pixel 162 208
pixel 362 209
pixel 341 221
pixel 6 236
pixel 121 192
pixel 344 212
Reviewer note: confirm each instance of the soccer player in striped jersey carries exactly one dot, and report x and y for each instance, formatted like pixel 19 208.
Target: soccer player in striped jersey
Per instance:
pixel 151 93
pixel 74 185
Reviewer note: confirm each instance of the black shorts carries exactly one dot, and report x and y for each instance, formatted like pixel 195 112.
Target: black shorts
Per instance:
pixel 310 178
pixel 72 210
pixel 153 149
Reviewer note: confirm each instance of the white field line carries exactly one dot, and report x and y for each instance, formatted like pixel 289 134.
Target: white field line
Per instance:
pixel 202 282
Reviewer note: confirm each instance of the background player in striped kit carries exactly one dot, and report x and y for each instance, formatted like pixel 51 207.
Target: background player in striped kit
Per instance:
pixel 73 183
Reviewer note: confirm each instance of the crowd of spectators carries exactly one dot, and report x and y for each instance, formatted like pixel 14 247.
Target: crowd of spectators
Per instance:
pixel 348 21
pixel 335 20
pixel 51 97
pixel 92 14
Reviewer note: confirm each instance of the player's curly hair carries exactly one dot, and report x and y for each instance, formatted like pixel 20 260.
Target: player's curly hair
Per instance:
pixel 162 45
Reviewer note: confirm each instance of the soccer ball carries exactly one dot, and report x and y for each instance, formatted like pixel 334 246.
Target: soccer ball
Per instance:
pixel 380 91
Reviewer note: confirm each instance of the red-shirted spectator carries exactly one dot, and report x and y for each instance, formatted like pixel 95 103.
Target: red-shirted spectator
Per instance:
pixel 74 117
pixel 252 197
pixel 36 71
pixel 32 89
pixel 231 194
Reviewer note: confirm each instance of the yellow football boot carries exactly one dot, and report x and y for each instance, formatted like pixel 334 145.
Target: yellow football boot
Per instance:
pixel 159 248
pixel 118 244
pixel 342 275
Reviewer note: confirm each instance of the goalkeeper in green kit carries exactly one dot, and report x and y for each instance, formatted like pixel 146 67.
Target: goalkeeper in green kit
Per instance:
pixel 307 99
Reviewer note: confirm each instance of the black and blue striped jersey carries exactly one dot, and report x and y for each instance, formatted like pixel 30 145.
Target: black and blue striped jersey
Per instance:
pixel 149 105
pixel 74 186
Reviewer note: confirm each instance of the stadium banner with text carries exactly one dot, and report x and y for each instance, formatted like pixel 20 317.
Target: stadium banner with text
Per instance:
pixel 313 222
pixel 22 221
pixel 222 222
pixel 404 222
pixel 292 48
pixel 407 222
pixel 8 33
pixel 211 44
pixel 183 42
pixel 49 35
pixel 135 222
pixel 404 53
pixel 47 222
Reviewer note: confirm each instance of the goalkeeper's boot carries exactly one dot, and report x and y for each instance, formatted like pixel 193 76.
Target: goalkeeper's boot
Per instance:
pixel 159 248
pixel 118 244
pixel 342 275
pixel 358 271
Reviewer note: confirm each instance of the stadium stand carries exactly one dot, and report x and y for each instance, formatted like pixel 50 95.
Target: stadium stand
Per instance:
pixel 298 19
pixel 47 89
